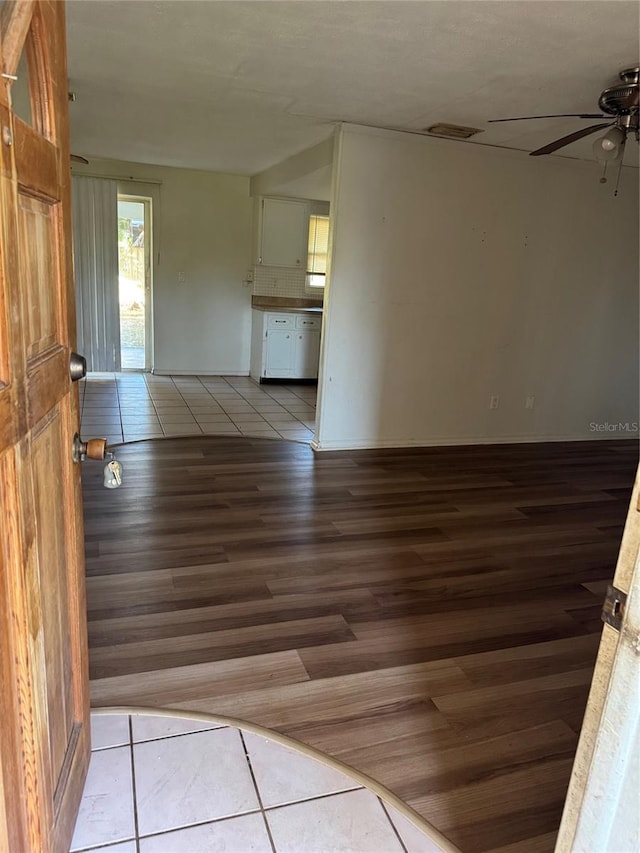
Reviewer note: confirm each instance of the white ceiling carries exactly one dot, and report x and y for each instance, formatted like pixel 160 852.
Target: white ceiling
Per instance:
pixel 237 86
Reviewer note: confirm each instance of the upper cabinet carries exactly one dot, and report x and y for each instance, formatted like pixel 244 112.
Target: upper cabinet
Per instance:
pixel 283 233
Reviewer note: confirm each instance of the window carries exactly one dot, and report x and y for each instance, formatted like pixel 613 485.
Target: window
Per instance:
pixel 318 250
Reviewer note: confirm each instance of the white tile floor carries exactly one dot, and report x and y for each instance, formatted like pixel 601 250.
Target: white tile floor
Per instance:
pixel 133 406
pixel 163 785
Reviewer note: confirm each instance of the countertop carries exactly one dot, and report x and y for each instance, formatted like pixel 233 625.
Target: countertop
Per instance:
pixel 288 305
pixel 279 309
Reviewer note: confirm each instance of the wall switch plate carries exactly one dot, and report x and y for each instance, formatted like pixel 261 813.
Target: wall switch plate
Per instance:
pixel 249 276
pixel 494 401
pixel 181 278
pixel 529 402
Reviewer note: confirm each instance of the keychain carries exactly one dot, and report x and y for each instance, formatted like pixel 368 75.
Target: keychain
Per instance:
pixel 112 473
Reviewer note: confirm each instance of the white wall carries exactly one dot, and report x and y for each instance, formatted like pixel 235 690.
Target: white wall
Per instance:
pixel 202 229
pixel 461 271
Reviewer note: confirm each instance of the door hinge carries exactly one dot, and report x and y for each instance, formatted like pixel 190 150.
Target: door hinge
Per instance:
pixel 614 604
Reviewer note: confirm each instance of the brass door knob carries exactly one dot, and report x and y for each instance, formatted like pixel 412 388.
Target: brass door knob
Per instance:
pixel 94 448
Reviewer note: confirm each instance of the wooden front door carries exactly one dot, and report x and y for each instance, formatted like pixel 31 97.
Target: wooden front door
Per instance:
pixel 601 810
pixel 44 699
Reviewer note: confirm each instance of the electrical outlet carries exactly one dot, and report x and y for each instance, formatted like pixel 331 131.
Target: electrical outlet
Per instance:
pixel 494 401
pixel 529 402
pixel 249 277
pixel 181 278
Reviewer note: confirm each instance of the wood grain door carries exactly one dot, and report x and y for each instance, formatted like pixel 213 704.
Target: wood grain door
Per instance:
pixel 44 704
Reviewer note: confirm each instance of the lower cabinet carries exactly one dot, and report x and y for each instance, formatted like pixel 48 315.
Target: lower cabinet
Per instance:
pixel 306 354
pixel 285 346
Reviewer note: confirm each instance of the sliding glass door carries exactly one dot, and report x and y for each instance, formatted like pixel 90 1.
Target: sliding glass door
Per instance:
pixel 135 281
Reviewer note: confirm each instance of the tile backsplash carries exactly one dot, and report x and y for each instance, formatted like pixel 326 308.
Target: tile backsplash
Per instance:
pixel 281 281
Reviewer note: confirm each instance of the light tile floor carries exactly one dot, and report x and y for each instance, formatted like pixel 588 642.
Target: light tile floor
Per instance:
pixel 133 406
pixel 173 785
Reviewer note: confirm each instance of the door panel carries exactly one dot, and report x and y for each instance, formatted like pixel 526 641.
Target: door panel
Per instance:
pixel 36 160
pixel 44 722
pixel 46 456
pixel 36 272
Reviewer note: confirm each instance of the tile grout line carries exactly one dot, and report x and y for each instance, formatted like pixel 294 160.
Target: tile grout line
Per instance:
pixel 313 799
pixel 148 396
pixel 153 403
pixel 104 848
pixel 114 409
pixel 266 809
pixel 82 394
pixel 394 827
pixel 186 826
pixel 255 785
pixel 185 402
pixel 155 739
pixel 136 828
pixel 119 408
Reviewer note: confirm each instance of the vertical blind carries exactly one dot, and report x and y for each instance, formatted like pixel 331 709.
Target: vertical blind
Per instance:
pixel 95 254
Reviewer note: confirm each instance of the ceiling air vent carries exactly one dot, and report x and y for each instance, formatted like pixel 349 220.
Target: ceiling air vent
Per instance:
pixel 452 131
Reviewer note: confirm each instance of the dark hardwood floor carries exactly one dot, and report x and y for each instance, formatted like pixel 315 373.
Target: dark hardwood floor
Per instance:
pixel 430 617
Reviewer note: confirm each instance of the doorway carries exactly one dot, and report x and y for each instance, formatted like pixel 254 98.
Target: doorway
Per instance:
pixel 135 281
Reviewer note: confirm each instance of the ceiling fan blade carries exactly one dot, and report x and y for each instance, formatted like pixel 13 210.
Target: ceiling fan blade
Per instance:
pixel 558 115
pixel 76 158
pixel 567 140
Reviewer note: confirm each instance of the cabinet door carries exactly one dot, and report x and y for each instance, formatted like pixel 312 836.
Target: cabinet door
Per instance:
pixel 284 233
pixel 306 354
pixel 280 346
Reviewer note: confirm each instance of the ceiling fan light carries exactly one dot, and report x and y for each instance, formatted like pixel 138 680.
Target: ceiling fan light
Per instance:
pixel 609 146
pixel 604 154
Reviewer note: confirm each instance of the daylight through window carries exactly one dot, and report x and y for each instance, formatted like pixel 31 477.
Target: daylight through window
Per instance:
pixel 318 250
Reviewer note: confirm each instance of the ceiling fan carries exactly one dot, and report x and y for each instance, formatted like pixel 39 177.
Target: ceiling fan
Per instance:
pixel 619 102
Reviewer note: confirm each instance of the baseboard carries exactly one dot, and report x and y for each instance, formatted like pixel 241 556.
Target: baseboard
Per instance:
pixel 448 441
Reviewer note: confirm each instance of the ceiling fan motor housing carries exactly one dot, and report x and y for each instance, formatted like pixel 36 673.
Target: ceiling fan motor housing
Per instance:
pixel 622 100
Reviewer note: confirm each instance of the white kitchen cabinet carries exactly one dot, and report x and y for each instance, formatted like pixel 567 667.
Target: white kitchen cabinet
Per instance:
pixel 280 353
pixel 285 345
pixel 306 354
pixel 283 233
